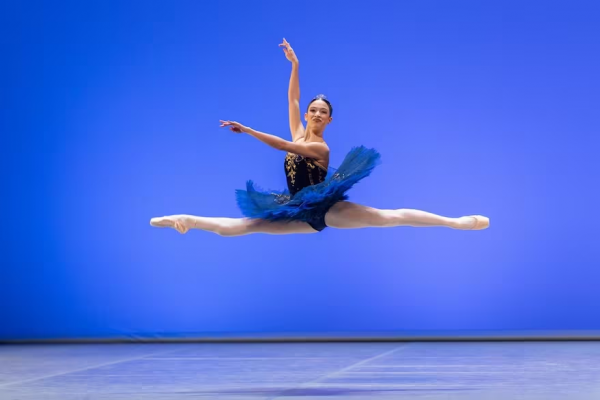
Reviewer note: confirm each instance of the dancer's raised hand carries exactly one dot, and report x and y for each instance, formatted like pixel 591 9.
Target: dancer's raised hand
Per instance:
pixel 289 52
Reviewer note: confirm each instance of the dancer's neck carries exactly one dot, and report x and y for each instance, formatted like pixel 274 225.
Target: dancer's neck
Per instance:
pixel 313 135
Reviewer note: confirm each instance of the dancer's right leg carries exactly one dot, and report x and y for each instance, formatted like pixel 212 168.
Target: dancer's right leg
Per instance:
pixel 230 226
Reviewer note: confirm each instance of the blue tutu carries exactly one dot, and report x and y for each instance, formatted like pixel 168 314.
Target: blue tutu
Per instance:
pixel 312 202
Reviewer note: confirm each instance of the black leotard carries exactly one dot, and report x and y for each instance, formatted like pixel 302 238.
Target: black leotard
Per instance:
pixel 301 172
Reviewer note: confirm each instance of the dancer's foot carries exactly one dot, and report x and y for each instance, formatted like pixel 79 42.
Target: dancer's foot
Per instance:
pixel 473 222
pixel 181 223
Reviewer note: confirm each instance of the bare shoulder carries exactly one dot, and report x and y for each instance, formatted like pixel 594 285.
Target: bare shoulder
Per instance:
pixel 312 143
pixel 322 149
pixel 318 146
pixel 323 146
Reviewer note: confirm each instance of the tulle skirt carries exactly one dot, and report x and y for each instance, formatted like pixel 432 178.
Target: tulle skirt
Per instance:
pixel 312 202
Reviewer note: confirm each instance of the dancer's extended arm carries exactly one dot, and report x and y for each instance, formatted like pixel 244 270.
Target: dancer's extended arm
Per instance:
pixel 296 126
pixel 318 151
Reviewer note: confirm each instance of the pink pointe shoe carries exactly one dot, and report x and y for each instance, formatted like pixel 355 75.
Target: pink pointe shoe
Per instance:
pixel 176 223
pixel 481 222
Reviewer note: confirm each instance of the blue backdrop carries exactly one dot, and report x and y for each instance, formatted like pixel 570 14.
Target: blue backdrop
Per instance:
pixel 109 117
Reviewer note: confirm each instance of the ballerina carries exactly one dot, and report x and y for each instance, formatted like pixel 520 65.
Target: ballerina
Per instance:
pixel 315 197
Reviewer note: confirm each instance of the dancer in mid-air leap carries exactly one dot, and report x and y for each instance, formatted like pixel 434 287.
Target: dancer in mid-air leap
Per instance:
pixel 316 194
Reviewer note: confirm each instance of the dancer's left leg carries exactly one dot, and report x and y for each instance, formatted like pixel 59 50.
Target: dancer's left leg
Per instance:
pixel 348 215
pixel 230 226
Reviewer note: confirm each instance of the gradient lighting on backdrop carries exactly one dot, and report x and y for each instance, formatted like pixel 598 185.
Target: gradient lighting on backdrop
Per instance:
pixel 110 117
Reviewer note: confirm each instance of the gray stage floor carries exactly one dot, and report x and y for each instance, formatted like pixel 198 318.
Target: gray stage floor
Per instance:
pixel 425 370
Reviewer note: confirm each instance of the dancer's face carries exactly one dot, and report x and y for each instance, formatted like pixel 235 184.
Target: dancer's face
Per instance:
pixel 318 114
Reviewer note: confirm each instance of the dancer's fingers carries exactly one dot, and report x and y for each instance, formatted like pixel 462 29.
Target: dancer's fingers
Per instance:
pixel 286 45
